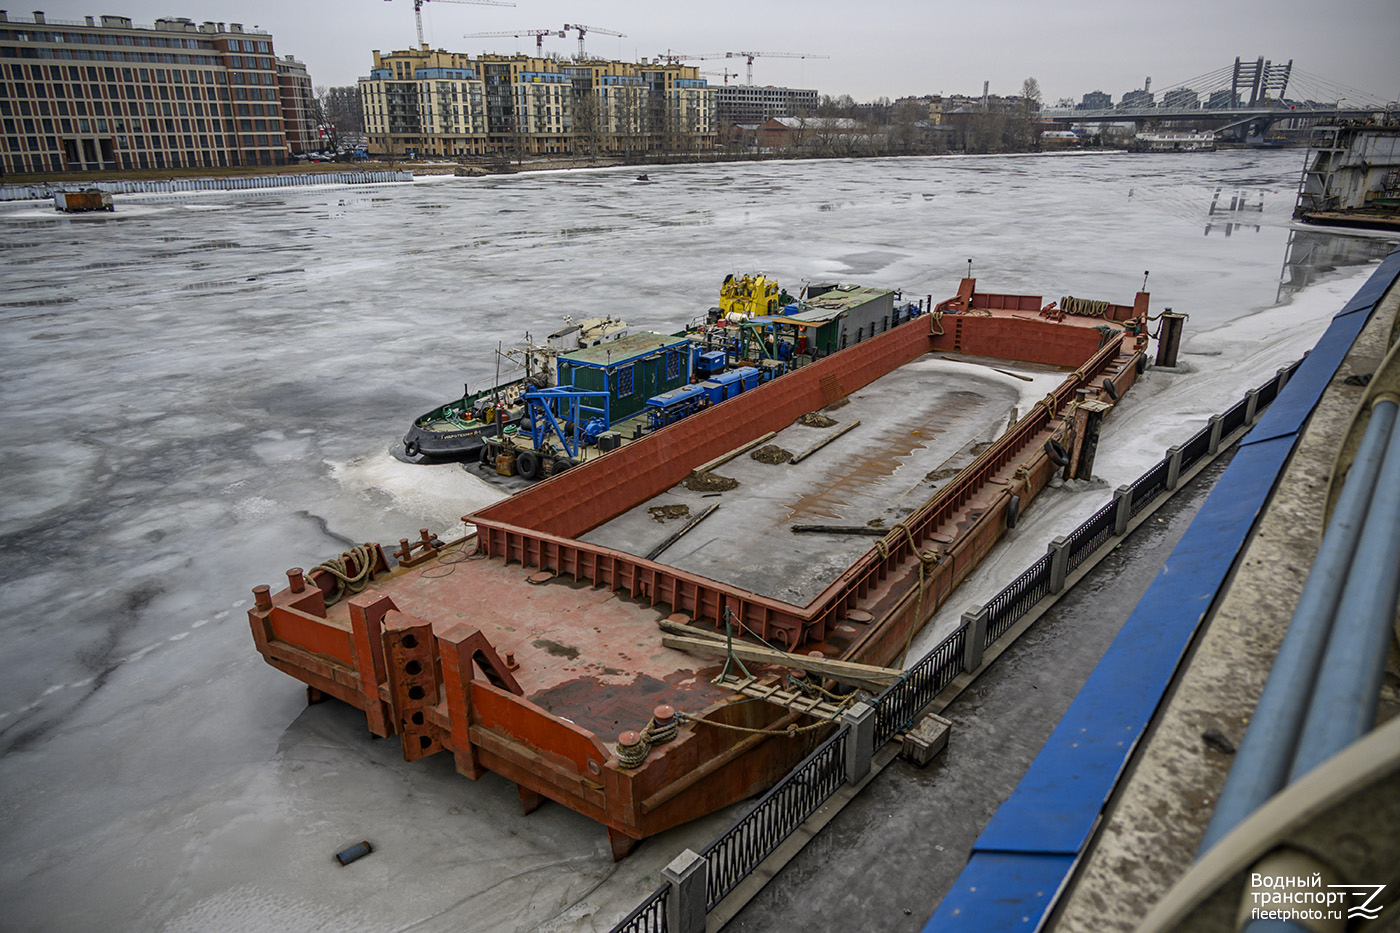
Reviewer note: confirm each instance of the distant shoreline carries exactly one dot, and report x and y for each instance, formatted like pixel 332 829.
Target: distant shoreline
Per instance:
pixel 484 170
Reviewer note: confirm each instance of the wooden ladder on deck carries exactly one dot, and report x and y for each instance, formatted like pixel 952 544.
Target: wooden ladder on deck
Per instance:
pixel 791 699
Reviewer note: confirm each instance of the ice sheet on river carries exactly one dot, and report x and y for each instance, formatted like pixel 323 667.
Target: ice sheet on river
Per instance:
pixel 200 392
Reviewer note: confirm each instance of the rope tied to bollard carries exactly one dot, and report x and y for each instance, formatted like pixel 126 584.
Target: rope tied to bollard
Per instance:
pixel 633 747
pixel 339 569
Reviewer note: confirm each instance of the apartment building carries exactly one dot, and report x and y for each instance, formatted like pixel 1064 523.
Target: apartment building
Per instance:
pixel 299 116
pixel 451 104
pixel 105 94
pixel 745 103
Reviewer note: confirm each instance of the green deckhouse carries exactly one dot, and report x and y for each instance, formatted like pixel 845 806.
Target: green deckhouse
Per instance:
pixel 630 370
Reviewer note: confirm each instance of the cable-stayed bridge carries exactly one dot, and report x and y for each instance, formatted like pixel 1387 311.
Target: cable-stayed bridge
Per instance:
pixel 1244 99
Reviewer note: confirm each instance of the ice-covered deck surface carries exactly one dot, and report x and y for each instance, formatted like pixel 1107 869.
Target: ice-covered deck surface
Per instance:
pixel 588 655
pixel 919 425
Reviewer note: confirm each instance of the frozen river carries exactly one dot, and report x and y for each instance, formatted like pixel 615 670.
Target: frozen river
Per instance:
pixel 200 391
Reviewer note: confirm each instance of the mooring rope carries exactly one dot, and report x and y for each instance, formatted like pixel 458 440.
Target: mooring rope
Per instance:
pixel 652 734
pixel 339 569
pixel 1084 307
pixel 927 559
pixel 790 730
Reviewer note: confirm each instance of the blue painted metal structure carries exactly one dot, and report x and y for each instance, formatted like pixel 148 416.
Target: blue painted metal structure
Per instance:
pixel 670 407
pixel 1027 852
pixel 540 415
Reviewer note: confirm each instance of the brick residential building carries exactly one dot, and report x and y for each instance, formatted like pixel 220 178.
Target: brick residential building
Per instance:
pixel 106 94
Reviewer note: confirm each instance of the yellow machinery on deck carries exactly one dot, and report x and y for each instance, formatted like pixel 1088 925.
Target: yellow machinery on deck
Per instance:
pixel 749 295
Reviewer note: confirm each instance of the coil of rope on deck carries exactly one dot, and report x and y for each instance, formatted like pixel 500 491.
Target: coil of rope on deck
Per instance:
pixel 339 569
pixel 1083 307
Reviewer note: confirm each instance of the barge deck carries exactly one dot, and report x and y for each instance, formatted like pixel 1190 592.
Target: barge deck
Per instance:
pixel 907 434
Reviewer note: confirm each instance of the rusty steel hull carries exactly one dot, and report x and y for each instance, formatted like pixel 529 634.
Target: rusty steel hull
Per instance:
pixel 526 651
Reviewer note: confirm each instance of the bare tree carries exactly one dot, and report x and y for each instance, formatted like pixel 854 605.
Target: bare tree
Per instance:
pixel 324 128
pixel 904 132
pixel 589 123
pixel 345 109
pixel 1023 129
pixel 1030 93
pixel 843 106
pixel 628 116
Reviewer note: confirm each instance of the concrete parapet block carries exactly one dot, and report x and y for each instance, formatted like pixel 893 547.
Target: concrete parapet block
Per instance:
pixel 1173 466
pixel 860 741
pixel 975 622
pixel 1059 563
pixel 927 740
pixel 1123 499
pixel 685 907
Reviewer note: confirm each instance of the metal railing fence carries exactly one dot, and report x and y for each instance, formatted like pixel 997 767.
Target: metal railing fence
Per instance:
pixel 753 837
pixel 649 916
pixel 1016 599
pixel 896 708
pixel 1087 538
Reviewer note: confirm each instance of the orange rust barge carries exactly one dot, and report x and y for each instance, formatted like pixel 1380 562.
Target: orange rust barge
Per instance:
pixel 533 649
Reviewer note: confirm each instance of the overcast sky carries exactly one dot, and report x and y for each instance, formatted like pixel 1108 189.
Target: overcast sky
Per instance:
pixel 876 48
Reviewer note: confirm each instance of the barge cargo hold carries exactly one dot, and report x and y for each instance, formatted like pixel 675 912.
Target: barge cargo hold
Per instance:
pixel 533 648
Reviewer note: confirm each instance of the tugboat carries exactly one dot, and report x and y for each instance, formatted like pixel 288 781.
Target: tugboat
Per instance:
pixel 455 430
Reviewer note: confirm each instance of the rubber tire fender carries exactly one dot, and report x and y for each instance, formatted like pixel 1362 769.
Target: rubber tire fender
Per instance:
pixel 1058 455
pixel 1110 390
pixel 1141 363
pixel 1013 512
pixel 527 464
pixel 411 448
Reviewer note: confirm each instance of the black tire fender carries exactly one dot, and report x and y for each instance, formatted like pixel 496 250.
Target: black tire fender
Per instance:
pixel 411 448
pixel 1141 363
pixel 1108 388
pixel 527 464
pixel 1058 455
pixel 1013 511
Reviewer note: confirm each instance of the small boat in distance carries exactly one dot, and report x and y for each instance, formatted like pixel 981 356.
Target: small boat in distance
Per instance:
pixel 1163 141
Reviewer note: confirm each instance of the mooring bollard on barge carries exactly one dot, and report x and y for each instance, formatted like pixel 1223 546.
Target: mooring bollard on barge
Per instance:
pixel 590 707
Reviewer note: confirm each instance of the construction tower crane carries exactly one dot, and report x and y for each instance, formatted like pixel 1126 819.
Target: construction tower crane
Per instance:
pixel 539 35
pixel 674 57
pixel 418 10
pixel 752 55
pixel 726 73
pixel 585 30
